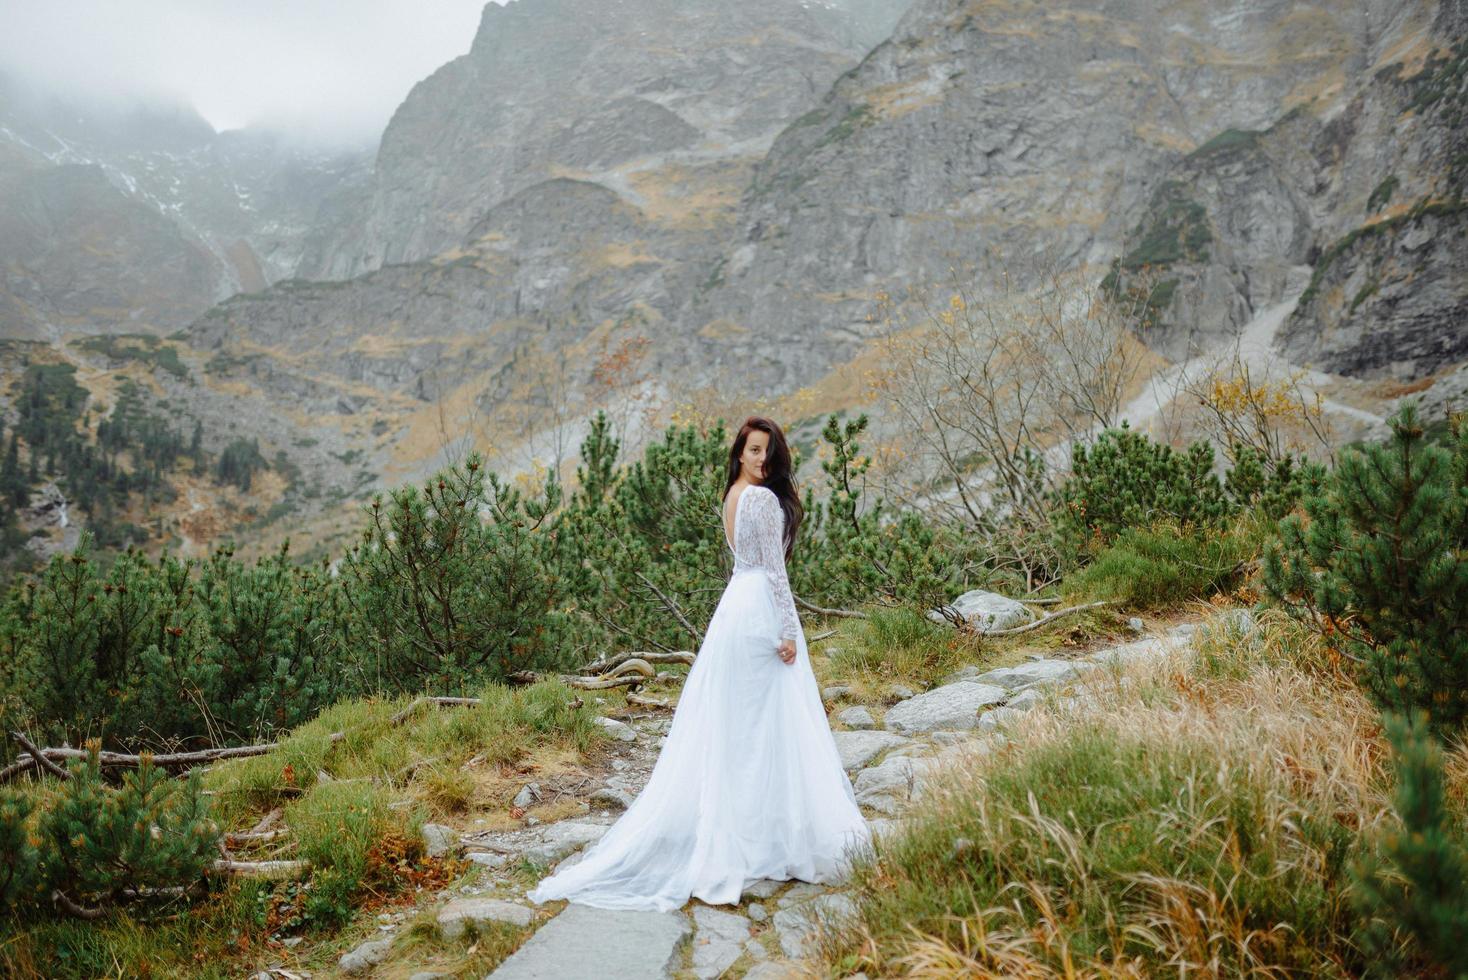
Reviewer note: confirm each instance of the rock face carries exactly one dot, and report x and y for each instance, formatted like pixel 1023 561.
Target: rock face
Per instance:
pixel 634 94
pixel 973 119
pixel 735 183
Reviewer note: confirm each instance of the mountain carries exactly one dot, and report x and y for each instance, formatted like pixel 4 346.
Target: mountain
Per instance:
pixel 646 203
pixel 141 218
pixel 640 95
pixel 982 131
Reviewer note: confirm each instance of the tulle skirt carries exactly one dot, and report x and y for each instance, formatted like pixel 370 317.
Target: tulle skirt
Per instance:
pixel 748 785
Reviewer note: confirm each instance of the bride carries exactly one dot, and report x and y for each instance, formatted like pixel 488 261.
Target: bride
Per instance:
pixel 748 784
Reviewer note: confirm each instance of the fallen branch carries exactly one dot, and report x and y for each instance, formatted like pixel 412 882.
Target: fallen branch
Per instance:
pixel 1048 618
pixel 437 702
pixel 72 908
pixel 821 611
pixel 604 664
pixel 264 868
pixel 820 636
pixel 630 672
pixel 646 702
pixel 40 757
pixel 26 763
pixel 174 760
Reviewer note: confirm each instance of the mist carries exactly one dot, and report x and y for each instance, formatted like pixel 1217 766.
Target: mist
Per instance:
pixel 327 72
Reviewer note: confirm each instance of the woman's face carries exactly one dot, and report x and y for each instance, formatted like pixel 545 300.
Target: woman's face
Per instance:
pixel 752 460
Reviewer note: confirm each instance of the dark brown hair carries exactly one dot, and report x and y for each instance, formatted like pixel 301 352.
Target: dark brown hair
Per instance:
pixel 777 473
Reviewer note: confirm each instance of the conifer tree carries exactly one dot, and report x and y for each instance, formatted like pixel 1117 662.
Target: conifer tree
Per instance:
pixel 19 860
pixel 1425 895
pixel 1381 569
pixel 153 832
pixel 1126 480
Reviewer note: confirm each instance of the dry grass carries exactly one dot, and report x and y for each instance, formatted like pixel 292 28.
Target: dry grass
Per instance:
pixel 1197 818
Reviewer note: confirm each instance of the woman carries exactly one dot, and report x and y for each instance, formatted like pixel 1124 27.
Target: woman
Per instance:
pixel 749 784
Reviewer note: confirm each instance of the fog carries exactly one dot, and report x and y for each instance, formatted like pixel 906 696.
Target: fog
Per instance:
pixel 327 71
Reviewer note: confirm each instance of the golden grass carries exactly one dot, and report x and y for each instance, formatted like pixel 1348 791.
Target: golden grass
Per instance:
pixel 1253 772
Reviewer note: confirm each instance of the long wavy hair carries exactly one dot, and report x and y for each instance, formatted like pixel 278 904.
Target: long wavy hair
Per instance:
pixel 777 473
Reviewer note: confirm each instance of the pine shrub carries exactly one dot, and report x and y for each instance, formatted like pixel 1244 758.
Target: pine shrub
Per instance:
pixel 152 832
pixel 1379 566
pixel 1417 884
pixel 1126 480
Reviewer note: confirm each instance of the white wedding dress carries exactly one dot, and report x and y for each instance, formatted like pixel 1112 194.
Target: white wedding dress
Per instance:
pixel 749 784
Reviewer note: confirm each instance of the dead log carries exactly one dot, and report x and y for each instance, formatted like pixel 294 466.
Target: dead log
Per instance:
pixel 821 611
pixel 604 664
pixel 411 709
pixel 40 757
pixel 70 907
pixel 1050 618
pixel 630 672
pixel 47 758
pixel 646 702
pixel 262 868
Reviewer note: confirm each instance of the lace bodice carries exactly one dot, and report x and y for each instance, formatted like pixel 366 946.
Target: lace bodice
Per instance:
pixel 759 543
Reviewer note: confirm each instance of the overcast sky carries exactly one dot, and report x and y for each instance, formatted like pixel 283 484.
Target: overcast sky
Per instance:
pixel 333 68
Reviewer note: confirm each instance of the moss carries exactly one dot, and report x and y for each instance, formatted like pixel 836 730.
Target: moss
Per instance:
pixel 855 118
pixel 1383 193
pixel 1363 294
pixel 1228 140
pixel 1180 231
pixel 1346 241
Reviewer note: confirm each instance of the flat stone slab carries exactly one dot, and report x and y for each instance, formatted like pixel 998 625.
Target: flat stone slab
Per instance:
pixel 453 917
pixel 1025 700
pixel 796 924
pixel 1149 649
pixel 950 707
pixel 563 837
pixel 586 943
pixel 858 748
pixel 1034 672
pixel 719 941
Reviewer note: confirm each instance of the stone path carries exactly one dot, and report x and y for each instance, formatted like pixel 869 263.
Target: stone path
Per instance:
pixel 587 942
pixel 763 936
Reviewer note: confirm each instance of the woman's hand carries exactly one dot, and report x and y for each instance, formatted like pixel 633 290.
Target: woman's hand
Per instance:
pixel 786 650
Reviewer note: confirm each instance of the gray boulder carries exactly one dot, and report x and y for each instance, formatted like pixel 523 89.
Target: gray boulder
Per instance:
pixel 952 706
pixel 987 611
pixel 455 916
pixel 859 748
pixel 365 956
pixel 1033 672
pixel 438 840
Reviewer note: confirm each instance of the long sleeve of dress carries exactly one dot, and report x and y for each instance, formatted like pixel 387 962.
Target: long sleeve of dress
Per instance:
pixel 769 528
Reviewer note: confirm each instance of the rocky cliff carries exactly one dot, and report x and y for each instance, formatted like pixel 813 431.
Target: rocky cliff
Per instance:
pixel 667 102
pixel 732 184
